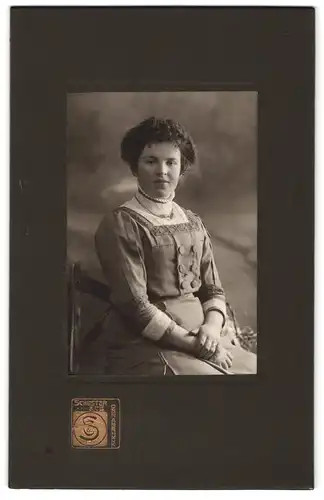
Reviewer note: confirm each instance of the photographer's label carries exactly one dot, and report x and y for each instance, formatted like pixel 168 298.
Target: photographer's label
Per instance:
pixel 95 423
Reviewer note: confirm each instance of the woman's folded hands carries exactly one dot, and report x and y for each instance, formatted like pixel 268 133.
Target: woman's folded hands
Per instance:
pixel 204 343
pixel 208 346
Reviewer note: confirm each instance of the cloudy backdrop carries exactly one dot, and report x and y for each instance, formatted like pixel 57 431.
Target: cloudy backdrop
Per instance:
pixel 221 188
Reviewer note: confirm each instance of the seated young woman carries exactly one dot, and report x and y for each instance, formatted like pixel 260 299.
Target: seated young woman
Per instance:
pixel 169 308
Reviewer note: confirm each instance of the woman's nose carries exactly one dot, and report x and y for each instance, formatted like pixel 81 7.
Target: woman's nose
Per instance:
pixel 162 168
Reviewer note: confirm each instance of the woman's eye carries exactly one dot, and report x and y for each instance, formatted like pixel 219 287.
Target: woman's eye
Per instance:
pixel 150 162
pixel 170 163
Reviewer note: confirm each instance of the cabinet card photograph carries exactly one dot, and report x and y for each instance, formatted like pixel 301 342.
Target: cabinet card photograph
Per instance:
pixel 162 232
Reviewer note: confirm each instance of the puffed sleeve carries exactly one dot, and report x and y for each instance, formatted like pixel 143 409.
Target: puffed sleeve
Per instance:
pixel 120 252
pixel 211 292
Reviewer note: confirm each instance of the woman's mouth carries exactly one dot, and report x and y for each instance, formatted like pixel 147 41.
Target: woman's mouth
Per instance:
pixel 161 182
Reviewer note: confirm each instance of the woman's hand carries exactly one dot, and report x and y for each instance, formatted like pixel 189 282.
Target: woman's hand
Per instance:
pixel 207 341
pixel 222 357
pixel 208 347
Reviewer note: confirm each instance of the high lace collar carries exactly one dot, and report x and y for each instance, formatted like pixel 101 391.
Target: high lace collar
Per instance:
pixel 156 206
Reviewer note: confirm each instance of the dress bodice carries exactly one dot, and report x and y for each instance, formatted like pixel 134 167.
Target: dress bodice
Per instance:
pixel 172 255
pixel 147 260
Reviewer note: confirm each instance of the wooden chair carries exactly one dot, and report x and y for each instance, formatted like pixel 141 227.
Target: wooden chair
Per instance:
pixel 88 305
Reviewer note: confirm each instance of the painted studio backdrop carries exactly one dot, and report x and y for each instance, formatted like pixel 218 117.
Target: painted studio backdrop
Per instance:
pixel 221 187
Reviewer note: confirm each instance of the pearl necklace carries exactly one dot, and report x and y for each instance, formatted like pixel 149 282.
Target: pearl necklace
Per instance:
pixel 157 200
pixel 162 216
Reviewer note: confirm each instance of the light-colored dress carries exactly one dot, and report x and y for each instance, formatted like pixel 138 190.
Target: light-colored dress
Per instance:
pixel 162 273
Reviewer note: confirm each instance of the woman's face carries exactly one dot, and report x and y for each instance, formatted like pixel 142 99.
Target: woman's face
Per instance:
pixel 159 168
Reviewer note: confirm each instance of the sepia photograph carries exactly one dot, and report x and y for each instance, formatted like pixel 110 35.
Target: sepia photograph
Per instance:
pixel 162 232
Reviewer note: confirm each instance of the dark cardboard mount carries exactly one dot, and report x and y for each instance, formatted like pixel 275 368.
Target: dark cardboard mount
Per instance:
pixel 188 433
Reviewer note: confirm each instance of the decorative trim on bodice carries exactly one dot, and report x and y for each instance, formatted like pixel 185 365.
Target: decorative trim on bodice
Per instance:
pixel 192 224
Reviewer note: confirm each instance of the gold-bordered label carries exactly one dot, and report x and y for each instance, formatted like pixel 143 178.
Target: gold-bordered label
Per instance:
pixel 95 423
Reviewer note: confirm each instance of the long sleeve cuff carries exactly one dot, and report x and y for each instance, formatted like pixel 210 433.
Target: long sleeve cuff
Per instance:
pixel 215 304
pixel 157 326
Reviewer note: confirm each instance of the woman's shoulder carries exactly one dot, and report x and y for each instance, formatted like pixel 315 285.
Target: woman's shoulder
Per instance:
pixel 191 215
pixel 116 213
pixel 129 212
pixel 117 217
pixel 120 220
pixel 196 220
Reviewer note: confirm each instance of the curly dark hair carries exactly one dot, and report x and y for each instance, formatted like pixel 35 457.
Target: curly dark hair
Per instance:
pixel 152 131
